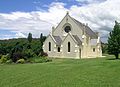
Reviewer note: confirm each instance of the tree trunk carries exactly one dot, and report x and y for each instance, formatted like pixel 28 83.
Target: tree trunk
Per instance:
pixel 117 56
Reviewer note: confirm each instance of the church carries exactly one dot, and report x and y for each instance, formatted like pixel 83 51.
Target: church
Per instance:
pixel 72 39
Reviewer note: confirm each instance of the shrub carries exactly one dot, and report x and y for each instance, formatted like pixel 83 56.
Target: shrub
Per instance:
pixel 30 60
pixel 7 56
pixel 3 59
pixel 16 56
pixel 43 54
pixel 0 56
pixel 29 53
pixel 41 59
pixel 20 61
pixel 48 60
pixel 9 61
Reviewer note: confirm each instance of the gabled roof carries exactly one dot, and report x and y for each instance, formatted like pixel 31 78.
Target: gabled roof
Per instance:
pixel 57 39
pixel 77 39
pixel 87 29
pixel 93 42
pixel 51 38
pixel 90 32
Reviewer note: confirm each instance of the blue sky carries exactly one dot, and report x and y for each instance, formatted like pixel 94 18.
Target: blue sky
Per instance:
pixel 7 6
pixel 19 17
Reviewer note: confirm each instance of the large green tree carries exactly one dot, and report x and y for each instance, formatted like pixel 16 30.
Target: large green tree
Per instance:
pixel 30 37
pixel 114 41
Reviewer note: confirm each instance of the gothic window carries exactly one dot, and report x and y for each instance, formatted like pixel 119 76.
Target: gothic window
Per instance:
pixel 93 49
pixel 68 46
pixel 67 29
pixel 58 49
pixel 49 46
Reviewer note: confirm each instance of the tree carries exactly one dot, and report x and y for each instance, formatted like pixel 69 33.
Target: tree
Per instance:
pixel 114 41
pixel 30 37
pixel 41 38
pixel 104 47
pixel 16 52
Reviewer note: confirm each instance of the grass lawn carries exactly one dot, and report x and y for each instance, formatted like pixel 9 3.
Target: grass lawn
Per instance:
pixel 99 72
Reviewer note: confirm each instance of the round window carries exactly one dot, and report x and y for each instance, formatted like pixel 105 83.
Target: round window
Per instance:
pixel 67 29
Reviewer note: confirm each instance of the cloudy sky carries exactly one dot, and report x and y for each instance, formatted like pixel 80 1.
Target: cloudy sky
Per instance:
pixel 19 17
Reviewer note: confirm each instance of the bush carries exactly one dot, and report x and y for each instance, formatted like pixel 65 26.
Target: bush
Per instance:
pixel 29 53
pixel 0 56
pixel 43 54
pixel 30 60
pixel 3 59
pixel 20 61
pixel 41 59
pixel 16 56
pixel 9 61
pixel 48 60
pixel 7 56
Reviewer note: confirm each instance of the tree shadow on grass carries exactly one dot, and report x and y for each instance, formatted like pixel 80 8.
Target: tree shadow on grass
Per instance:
pixel 112 59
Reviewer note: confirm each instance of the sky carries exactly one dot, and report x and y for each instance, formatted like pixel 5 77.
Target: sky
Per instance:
pixel 19 17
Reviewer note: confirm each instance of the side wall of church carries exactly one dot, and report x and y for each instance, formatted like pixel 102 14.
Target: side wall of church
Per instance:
pixel 90 51
pixel 51 53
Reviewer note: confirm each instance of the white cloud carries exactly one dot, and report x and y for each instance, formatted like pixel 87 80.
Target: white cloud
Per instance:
pixel 23 24
pixel 89 1
pixel 20 35
pixel 16 15
pixel 54 14
pixel 99 16
pixel 34 22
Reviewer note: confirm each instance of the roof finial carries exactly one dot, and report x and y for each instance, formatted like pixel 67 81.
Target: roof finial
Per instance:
pixel 67 12
pixel 86 24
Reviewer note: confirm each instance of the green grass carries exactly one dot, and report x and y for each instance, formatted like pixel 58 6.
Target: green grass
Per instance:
pixel 99 72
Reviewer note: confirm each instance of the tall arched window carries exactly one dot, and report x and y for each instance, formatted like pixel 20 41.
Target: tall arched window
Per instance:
pixel 58 49
pixel 93 49
pixel 49 46
pixel 68 46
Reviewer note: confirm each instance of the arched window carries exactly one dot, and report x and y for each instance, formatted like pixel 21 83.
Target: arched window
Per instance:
pixel 93 49
pixel 58 49
pixel 49 46
pixel 68 46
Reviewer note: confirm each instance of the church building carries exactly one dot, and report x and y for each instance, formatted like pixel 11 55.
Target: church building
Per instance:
pixel 72 39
